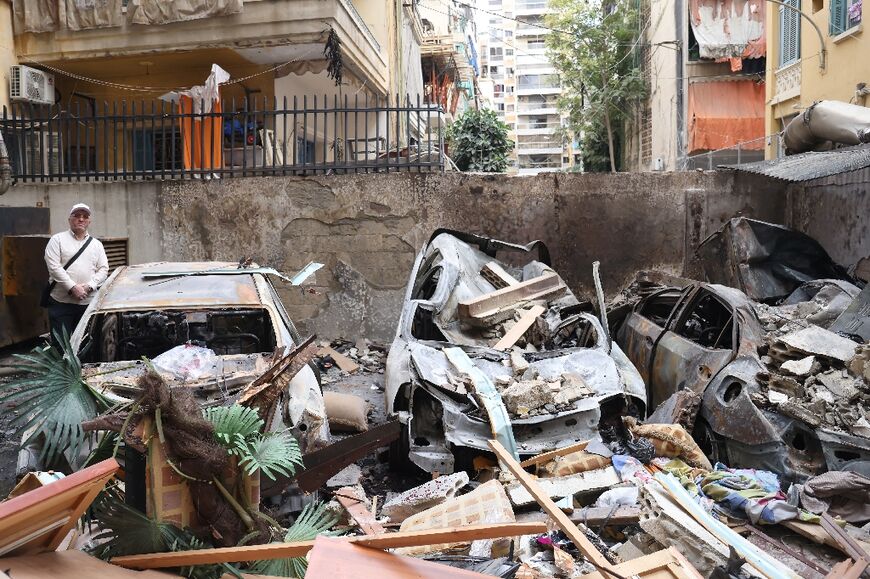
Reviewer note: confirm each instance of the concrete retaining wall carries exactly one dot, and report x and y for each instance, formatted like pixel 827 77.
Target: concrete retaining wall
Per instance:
pixel 368 228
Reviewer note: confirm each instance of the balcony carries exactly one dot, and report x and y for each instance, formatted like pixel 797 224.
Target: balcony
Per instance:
pixel 531 7
pixel 538 84
pixel 787 82
pixel 538 126
pixel 540 145
pixel 529 29
pixel 266 32
pixel 158 140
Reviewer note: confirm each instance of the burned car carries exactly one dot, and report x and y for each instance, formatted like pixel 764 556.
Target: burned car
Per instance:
pixel 496 348
pixel 236 314
pixel 760 371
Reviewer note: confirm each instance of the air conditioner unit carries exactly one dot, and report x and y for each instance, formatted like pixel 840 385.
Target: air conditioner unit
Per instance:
pixel 31 85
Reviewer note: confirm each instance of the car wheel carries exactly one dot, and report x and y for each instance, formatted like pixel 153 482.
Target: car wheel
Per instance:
pixel 711 444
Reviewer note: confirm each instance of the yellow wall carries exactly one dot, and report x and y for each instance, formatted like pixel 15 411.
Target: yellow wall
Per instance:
pixel 847 64
pixel 7 50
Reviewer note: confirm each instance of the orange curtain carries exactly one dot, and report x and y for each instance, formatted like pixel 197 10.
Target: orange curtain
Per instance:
pixel 202 139
pixel 724 113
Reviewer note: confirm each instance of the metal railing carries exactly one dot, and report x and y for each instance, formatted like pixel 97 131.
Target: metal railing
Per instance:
pixel 749 151
pixel 524 107
pixel 131 140
pixel 551 125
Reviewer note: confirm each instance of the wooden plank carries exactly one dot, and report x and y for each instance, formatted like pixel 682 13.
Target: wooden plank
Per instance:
pixel 568 527
pixel 299 549
pixel 818 535
pixel 353 504
pixel 344 363
pixel 548 456
pixel 337 559
pixel 847 544
pixel 45 515
pixel 71 565
pixel 513 296
pixel 300 354
pixel 593 516
pixel 497 276
pixel 664 564
pixel 521 327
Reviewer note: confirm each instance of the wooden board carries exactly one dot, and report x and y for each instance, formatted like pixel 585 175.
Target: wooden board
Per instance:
pixel 521 327
pixel 338 559
pixel 568 527
pixel 818 535
pixel 300 548
pixel 344 363
pixel 548 456
pixel 71 565
pixel 513 296
pixel 38 521
pixel 665 564
pixel 355 507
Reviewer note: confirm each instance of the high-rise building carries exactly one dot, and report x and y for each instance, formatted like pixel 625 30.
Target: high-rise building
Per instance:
pixel 525 85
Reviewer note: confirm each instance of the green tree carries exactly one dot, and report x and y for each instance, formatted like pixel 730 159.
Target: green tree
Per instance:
pixel 479 142
pixel 595 54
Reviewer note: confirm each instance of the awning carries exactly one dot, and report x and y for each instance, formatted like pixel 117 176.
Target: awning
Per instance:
pixel 724 113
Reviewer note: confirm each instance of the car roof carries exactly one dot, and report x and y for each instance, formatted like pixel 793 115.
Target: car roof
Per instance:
pixel 127 289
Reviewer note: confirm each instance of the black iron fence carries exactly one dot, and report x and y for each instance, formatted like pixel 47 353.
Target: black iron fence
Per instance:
pixel 130 140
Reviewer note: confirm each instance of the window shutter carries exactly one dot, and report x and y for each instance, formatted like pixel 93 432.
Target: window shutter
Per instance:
pixel 837 17
pixel 789 33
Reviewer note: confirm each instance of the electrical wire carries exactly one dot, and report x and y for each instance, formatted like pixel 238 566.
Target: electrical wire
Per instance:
pixel 156 89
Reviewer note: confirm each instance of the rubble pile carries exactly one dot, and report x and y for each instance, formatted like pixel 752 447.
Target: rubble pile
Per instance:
pixel 814 375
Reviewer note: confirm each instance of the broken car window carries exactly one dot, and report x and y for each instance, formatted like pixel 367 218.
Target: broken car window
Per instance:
pixel 658 308
pixel 709 323
pixel 131 335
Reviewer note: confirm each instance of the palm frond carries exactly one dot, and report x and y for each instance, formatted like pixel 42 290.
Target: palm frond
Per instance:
pixel 315 519
pixel 51 398
pixel 127 531
pixel 232 422
pixel 272 453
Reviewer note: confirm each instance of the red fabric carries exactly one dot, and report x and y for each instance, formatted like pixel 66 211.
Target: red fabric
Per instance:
pixel 724 113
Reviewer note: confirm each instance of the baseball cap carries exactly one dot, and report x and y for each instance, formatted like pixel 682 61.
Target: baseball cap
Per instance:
pixel 80 207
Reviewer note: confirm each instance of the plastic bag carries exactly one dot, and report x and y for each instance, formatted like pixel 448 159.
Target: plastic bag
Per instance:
pixel 187 362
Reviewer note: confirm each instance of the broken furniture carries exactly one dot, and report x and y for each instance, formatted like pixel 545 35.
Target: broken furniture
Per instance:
pixel 37 521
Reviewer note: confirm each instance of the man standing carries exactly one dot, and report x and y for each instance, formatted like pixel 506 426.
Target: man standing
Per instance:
pixel 74 281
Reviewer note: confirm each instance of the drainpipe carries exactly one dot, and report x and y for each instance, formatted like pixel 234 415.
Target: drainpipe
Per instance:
pixel 681 16
pixel 5 167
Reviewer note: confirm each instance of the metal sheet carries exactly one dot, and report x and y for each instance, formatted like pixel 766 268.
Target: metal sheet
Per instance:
pixel 808 166
pixel 499 420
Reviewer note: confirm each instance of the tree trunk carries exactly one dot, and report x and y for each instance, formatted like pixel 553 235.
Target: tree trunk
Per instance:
pixel 609 139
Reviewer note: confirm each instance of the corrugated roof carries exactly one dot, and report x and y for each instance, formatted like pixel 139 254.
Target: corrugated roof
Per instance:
pixel 813 165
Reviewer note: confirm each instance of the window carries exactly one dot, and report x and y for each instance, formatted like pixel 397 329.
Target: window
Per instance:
pixel 790 32
pixel 493 70
pixel 509 52
pixel 500 107
pixel 709 323
pixel 508 33
pixel 495 53
pixel 510 108
pixel 658 307
pixel 845 14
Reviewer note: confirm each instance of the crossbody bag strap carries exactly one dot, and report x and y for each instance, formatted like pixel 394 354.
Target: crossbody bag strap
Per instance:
pixel 79 252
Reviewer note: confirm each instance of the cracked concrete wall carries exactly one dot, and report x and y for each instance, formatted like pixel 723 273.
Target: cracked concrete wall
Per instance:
pixel 366 229
pixel 834 210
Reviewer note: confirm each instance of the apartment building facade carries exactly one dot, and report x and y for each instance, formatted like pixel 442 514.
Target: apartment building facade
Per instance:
pixel 305 81
pixel 704 63
pixel 525 86
pixel 818 53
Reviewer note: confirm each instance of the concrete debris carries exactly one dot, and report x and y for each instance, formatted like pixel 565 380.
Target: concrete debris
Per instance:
pixel 348 476
pixel 589 482
pixel 800 368
pixel 423 497
pixel 680 408
pixel 820 342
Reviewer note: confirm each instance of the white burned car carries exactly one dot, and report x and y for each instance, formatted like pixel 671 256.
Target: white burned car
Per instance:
pixel 499 349
pixel 235 313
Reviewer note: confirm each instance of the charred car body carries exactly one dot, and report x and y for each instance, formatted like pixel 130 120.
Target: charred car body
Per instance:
pixel 456 378
pixel 236 313
pixel 756 410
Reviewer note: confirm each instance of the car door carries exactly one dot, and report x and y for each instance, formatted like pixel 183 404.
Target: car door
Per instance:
pixel 700 341
pixel 644 325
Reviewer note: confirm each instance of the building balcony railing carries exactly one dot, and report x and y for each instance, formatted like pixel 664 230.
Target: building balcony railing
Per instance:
pixel 549 125
pixel 161 140
pixel 544 108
